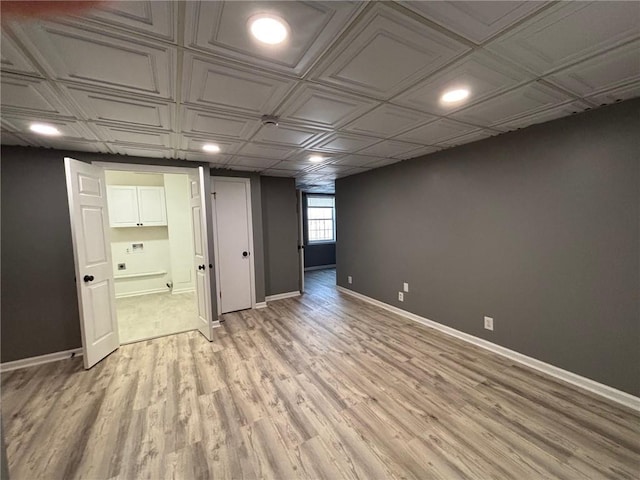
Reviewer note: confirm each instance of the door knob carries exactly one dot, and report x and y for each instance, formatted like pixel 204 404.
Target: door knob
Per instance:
pixel 201 267
pixel 245 254
pixel 88 278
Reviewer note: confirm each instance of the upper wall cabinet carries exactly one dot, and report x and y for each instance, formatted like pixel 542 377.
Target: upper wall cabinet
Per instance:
pixel 131 206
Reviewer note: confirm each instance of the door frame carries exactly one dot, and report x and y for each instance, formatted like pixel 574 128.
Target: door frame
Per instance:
pixel 160 169
pixel 216 256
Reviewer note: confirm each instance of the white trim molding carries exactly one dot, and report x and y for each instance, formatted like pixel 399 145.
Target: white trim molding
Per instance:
pixel 280 296
pixel 592 386
pixel 261 305
pixel 39 360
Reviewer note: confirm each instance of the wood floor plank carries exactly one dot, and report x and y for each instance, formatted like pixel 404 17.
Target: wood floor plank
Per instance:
pixel 320 386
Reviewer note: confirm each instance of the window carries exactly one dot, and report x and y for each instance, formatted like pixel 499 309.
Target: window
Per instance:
pixel 321 219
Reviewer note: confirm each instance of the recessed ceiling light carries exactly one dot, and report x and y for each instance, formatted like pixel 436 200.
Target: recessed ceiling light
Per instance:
pixel 456 95
pixel 268 29
pixel 211 148
pixel 44 129
pixel 315 158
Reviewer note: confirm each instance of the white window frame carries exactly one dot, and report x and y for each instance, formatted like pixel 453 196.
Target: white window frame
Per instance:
pixel 333 220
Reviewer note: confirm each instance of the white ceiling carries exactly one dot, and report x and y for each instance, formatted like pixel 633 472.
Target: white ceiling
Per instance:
pixel 357 82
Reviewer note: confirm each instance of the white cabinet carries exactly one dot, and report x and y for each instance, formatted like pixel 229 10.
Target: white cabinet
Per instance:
pixel 131 206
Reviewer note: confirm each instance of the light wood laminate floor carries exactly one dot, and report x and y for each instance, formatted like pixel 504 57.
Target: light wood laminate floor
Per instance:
pixel 319 386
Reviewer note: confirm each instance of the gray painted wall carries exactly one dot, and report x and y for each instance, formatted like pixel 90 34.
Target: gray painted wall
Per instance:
pixel 280 221
pixel 538 228
pixel 39 304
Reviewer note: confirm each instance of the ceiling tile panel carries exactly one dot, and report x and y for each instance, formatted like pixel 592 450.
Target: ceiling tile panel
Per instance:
pixel 468 138
pixel 274 172
pixel 214 84
pixel 201 122
pixel 389 149
pixel 31 96
pixel 569 32
pixel 357 160
pixel 287 135
pixel 156 18
pixel 140 151
pixel 107 106
pixel 525 100
pixel 217 159
pixel 255 149
pixel 387 120
pixel 604 72
pixel 13 59
pixel 617 94
pixel 252 162
pixel 132 136
pixel 195 144
pixel 71 130
pixel 383 162
pixel 437 132
pixel 385 53
pixel 477 21
pixel 544 115
pixel 84 55
pixel 484 75
pixel 291 166
pixel 344 142
pixel 222 28
pixel 324 107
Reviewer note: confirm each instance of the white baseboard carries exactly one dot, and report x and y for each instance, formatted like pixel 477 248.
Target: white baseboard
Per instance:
pixel 319 267
pixel 32 361
pixel 261 305
pixel 280 296
pixel 142 292
pixel 177 291
pixel 592 386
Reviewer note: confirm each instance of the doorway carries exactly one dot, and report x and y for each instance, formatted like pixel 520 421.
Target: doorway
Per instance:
pixel 141 251
pixel 151 240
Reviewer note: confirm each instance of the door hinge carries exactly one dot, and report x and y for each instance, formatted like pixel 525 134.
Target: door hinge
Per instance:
pixel 214 195
pixel 220 294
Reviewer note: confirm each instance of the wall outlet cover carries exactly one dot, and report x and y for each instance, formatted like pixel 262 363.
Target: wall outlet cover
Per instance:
pixel 401 296
pixel 405 287
pixel 350 279
pixel 488 323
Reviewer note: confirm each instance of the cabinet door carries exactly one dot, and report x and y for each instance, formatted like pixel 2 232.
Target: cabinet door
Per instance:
pixel 151 206
pixel 123 206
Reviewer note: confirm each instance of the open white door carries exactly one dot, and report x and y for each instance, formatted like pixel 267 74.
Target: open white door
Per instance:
pixel 92 253
pixel 201 253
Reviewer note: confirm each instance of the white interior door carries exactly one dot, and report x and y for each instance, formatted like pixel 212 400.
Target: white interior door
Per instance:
pixel 91 248
pixel 201 253
pixel 234 243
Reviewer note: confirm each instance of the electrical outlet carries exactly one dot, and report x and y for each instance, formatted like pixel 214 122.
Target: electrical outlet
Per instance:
pixel 350 279
pixel 488 323
pixel 405 287
pixel 401 296
pixel 122 266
